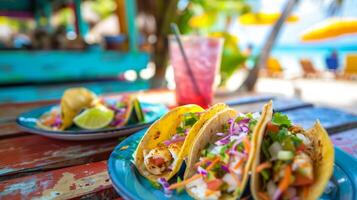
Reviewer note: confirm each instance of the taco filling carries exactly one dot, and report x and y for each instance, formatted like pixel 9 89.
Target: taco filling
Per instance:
pixel 220 168
pixel 286 165
pixel 160 159
pixel 120 108
pixel 52 119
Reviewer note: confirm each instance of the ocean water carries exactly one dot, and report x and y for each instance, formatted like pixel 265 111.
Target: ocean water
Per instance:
pixel 289 56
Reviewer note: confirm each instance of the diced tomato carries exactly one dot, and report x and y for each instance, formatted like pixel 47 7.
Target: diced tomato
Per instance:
pixel 157 161
pixel 301 180
pixel 272 128
pixel 214 184
pixel 301 147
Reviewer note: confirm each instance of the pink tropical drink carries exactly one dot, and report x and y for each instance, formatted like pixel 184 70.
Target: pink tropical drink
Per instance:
pixel 204 57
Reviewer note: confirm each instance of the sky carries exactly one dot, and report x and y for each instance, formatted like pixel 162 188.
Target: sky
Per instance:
pixel 309 12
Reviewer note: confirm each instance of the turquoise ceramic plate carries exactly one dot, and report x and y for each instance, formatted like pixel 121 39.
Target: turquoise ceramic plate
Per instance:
pixel 131 185
pixel 28 120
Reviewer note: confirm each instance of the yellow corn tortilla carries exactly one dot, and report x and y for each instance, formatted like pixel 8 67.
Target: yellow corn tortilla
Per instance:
pixel 207 135
pixel 322 156
pixel 72 102
pixel 128 100
pixel 164 128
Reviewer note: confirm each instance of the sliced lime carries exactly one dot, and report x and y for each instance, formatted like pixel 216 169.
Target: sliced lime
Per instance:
pixel 94 118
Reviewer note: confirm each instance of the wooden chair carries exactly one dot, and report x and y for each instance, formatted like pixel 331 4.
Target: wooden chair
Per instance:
pixel 350 69
pixel 273 68
pixel 308 68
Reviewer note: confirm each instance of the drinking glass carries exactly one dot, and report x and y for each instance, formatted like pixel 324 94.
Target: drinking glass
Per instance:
pixel 204 58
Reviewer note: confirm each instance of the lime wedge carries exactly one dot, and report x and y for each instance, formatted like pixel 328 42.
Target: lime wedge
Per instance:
pixel 94 118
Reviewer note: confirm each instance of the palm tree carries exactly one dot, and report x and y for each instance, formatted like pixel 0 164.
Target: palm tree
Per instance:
pixel 250 81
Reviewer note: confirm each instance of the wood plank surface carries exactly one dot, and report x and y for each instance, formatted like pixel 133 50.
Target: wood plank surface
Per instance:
pixel 37 167
pixel 10 129
pixel 9 111
pixel 88 181
pixel 36 153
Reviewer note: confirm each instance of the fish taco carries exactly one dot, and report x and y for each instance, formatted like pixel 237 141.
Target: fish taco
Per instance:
pixel 291 163
pixel 81 107
pixel 72 102
pixel 220 158
pixel 165 145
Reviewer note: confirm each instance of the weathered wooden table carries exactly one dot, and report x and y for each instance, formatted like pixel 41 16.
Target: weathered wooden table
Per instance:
pixel 35 167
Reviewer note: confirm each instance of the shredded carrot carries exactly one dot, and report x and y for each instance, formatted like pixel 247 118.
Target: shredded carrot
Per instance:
pixel 239 163
pixel 285 182
pixel 201 162
pixel 246 144
pixel 209 192
pixel 215 161
pixel 184 182
pixel 263 196
pixel 263 166
pixel 235 178
pixel 50 120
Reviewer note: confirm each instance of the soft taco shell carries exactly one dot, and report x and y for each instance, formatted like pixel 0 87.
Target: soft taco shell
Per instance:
pixel 322 154
pixel 128 100
pixel 72 102
pixel 165 128
pixel 207 135
pixel 323 157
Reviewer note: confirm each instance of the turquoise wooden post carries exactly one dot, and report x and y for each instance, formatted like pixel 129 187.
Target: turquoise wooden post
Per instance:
pixel 130 6
pixel 37 16
pixel 43 8
pixel 80 24
pixel 47 10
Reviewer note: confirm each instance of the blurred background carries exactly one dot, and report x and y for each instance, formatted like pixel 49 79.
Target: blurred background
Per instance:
pixel 294 48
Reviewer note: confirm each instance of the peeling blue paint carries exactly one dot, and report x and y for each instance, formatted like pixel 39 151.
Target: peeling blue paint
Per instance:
pixel 6 170
pixel 24 188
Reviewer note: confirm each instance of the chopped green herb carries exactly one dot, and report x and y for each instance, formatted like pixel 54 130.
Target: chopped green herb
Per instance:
pixel 190 119
pixel 281 120
pixel 288 143
pixel 280 136
pixel 211 175
pixel 238 191
pixel 239 118
pixel 225 157
pixel 297 141
pixel 204 152
pixel 278 166
pixel 249 115
pixel 179 189
pixel 240 147
pixel 154 184
pixel 180 130
pixel 265 147
pixel 211 155
pixel 252 124
pixel 265 174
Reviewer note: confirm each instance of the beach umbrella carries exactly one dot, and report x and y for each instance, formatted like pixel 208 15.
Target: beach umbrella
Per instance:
pixel 262 18
pixel 330 28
